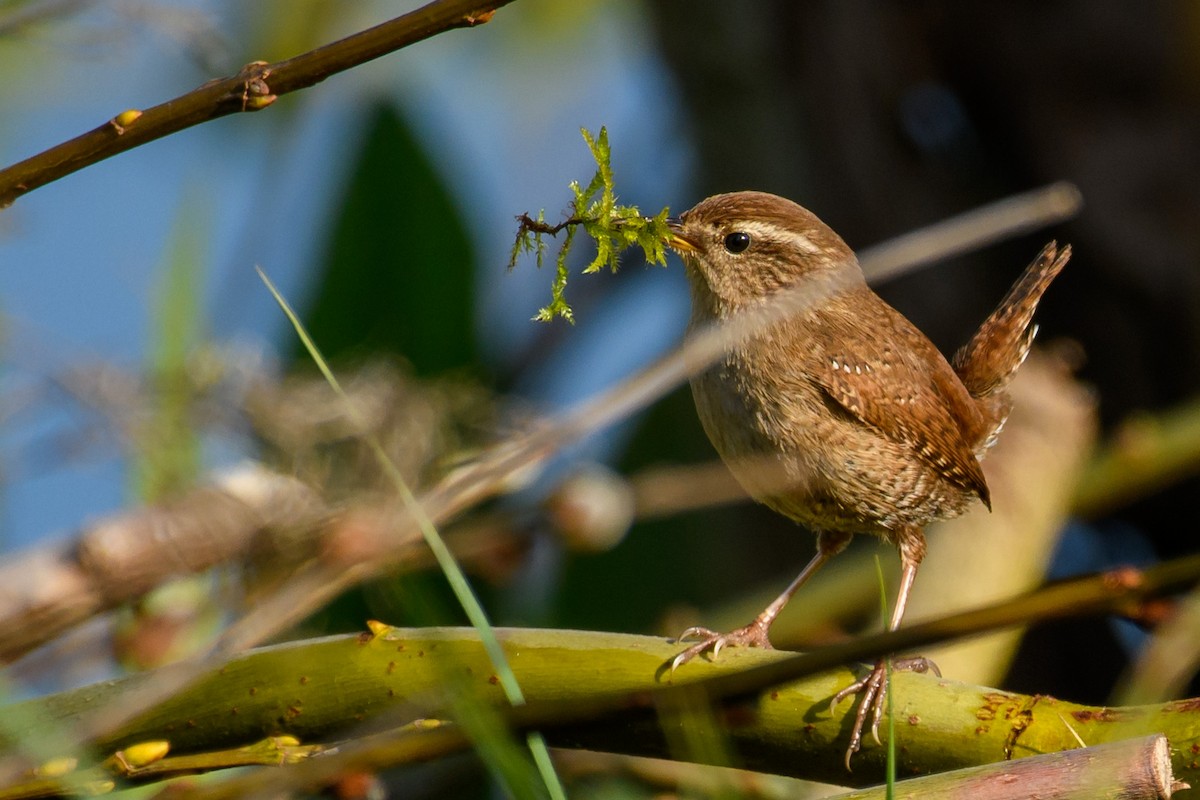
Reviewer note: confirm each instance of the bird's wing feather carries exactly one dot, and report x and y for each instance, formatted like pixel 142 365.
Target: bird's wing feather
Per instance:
pixel 904 389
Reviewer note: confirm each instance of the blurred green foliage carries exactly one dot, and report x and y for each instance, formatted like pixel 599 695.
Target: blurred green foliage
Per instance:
pixel 166 458
pixel 398 273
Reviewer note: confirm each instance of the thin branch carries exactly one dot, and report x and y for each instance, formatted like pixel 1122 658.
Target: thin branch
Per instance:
pixel 526 223
pixel 254 88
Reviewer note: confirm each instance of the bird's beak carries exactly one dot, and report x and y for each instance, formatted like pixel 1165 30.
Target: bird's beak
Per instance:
pixel 678 242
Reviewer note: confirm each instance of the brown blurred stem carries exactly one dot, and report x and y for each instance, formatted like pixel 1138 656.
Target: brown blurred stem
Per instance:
pixel 972 230
pixel 1168 661
pixel 46 591
pixel 255 87
pixel 248 515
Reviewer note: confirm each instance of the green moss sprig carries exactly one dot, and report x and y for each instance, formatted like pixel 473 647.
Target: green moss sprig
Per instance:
pixel 613 227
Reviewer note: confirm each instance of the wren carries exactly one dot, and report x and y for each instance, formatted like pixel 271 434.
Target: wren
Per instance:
pixel 843 417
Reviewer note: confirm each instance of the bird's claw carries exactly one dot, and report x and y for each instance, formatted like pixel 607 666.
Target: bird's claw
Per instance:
pixel 753 635
pixel 872 691
pixel 697 632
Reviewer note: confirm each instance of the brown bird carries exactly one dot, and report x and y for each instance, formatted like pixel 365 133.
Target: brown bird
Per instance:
pixel 843 417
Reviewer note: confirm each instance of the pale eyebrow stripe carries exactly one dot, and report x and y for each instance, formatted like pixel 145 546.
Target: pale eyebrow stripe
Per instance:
pixel 781 235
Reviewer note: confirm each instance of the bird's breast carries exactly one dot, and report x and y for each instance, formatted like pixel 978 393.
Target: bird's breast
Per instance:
pixel 800 454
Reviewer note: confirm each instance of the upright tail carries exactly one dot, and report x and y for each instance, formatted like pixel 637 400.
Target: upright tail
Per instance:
pixel 987 362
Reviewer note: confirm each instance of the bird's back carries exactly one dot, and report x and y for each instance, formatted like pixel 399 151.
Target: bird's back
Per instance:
pixel 845 419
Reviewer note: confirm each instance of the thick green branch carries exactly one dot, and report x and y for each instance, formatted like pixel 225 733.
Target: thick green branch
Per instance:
pixel 255 87
pixel 610 692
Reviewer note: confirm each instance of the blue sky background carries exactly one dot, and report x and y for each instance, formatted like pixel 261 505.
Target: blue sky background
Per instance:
pixel 498 107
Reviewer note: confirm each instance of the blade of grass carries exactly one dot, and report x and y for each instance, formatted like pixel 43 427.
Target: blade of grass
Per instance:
pixel 891 716
pixel 450 568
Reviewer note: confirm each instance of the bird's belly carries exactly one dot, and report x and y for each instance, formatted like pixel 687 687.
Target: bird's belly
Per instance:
pixel 825 471
pixel 866 492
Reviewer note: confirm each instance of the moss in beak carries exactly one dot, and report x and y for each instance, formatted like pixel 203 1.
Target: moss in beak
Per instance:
pixel 678 242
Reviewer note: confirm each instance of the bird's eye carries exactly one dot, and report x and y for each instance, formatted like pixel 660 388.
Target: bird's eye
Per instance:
pixel 737 242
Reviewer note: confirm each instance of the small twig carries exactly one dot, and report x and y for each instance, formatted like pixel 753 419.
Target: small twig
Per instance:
pixel 1074 733
pixel 528 224
pixel 255 87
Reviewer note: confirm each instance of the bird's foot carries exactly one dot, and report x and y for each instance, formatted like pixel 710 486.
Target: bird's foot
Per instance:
pixel 872 691
pixel 753 635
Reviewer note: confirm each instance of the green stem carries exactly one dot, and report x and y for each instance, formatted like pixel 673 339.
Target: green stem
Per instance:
pixel 596 691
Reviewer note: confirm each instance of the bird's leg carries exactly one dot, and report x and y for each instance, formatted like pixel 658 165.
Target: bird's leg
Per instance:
pixel 873 688
pixel 755 634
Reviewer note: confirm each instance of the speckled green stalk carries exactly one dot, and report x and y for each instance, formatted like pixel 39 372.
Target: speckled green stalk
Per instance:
pixel 328 688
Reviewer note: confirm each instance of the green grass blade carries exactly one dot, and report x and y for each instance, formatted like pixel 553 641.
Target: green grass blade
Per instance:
pixel 891 717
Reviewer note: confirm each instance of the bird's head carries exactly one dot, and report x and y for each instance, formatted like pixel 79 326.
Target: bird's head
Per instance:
pixel 742 247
